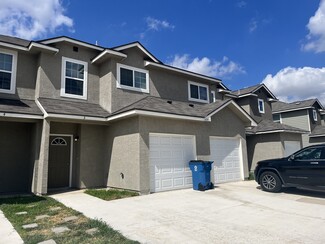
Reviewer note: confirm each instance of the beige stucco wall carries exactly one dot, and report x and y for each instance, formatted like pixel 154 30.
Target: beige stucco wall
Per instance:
pixel 25 77
pixel 162 83
pixel 123 159
pixel 92 156
pixel 268 146
pixel 49 75
pixel 224 124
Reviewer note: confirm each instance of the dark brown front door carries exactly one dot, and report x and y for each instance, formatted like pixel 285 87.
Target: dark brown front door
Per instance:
pixel 59 161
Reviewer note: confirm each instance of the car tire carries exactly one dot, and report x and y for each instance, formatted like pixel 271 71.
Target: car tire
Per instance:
pixel 270 182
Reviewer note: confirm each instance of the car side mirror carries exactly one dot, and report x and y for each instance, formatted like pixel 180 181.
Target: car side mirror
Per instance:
pixel 292 157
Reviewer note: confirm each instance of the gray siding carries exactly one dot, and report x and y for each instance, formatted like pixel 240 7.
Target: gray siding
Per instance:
pixel 298 119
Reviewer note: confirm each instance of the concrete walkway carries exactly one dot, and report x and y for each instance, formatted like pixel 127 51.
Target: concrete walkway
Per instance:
pixel 7 232
pixel 231 213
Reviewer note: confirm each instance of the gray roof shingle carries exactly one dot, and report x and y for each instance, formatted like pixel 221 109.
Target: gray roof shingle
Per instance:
pixel 245 90
pixel 77 108
pixel 268 126
pixel 156 104
pixel 282 106
pixel 19 107
pixel 14 40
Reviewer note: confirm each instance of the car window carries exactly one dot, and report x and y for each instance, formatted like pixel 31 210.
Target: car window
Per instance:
pixel 309 154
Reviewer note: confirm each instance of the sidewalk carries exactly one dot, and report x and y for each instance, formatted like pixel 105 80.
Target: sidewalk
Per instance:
pixel 7 232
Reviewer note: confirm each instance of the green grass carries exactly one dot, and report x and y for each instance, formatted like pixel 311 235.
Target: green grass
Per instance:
pixel 111 194
pixel 35 206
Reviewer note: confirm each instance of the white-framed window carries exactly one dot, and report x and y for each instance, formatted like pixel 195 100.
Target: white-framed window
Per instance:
pixel 315 114
pixel 131 78
pixel 198 92
pixel 74 78
pixel 260 104
pixel 277 118
pixel 213 96
pixel 8 68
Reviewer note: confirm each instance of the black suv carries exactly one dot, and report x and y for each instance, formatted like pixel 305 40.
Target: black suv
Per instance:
pixel 306 167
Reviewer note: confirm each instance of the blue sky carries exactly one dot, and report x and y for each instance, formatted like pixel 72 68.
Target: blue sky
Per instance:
pixel 243 42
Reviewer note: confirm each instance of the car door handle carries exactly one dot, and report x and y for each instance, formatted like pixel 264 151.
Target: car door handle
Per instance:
pixel 313 162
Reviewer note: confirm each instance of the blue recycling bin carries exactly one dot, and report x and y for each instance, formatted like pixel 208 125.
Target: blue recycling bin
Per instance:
pixel 201 174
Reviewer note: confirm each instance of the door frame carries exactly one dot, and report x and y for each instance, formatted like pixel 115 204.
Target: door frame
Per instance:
pixel 241 161
pixel 71 154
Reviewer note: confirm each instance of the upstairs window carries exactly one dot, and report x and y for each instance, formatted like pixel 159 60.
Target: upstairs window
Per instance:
pixel 74 78
pixel 260 104
pixel 8 66
pixel 277 118
pixel 315 114
pixel 132 78
pixel 198 92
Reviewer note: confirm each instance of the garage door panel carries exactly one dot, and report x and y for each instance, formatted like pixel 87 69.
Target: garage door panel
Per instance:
pixel 169 156
pixel 225 152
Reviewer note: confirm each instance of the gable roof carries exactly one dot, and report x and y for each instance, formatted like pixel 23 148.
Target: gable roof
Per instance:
pixel 161 107
pixel 138 45
pixel 14 40
pixel 280 107
pixel 268 126
pixel 250 91
pixel 71 40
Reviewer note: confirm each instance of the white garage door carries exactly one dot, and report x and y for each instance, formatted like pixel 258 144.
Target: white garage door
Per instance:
pixel 290 147
pixel 169 158
pixel 226 154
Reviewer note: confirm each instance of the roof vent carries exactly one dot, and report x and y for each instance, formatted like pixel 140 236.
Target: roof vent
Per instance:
pixel 297 103
pixel 169 101
pixel 191 105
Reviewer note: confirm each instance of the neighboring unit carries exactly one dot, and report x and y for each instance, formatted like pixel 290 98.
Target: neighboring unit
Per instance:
pixel 307 115
pixel 77 115
pixel 268 139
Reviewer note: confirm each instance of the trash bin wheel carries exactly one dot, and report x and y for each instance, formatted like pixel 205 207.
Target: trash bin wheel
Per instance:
pixel 201 187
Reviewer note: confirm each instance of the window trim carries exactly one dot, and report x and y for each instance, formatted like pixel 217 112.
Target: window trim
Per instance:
pixel 85 80
pixel 213 94
pixel 132 88
pixel 258 105
pixel 14 55
pixel 314 114
pixel 189 83
pixel 278 121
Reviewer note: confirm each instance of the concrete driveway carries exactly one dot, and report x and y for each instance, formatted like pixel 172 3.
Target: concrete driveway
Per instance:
pixel 231 213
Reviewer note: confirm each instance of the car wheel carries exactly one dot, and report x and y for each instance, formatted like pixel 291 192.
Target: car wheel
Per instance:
pixel 270 182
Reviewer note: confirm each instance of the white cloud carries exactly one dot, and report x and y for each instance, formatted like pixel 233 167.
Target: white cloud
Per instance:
pixel 241 4
pixel 293 84
pixel 33 18
pixel 155 24
pixel 206 66
pixel 316 27
pixel 252 25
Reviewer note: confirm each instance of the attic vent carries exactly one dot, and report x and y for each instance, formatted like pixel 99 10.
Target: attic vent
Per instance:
pixel 170 102
pixel 191 105
pixel 75 49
